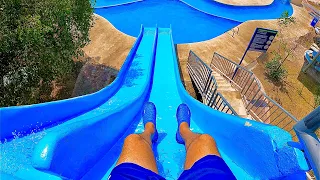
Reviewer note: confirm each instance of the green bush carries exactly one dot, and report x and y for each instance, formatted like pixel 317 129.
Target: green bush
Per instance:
pixel 38 41
pixel 274 70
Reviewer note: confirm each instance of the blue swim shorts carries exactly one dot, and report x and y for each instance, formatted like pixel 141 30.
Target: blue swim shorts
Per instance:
pixel 208 167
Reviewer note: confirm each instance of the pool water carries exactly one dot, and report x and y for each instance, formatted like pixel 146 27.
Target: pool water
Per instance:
pixel 188 24
pixel 191 20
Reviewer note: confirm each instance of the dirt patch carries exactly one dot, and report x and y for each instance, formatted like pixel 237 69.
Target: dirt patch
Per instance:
pixel 108 46
pixel 104 56
pixel 93 77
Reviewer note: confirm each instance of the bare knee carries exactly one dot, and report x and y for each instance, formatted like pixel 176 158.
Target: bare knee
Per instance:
pixel 206 138
pixel 133 139
pixel 208 144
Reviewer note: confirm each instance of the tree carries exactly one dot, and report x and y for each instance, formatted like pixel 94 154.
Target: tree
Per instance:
pixel 284 22
pixel 274 70
pixel 38 41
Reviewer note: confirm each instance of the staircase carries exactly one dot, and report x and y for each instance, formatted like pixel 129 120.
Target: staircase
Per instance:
pixel 232 95
pixel 207 85
pixel 242 94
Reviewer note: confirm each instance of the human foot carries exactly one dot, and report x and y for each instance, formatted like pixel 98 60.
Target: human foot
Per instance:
pixel 183 115
pixel 149 114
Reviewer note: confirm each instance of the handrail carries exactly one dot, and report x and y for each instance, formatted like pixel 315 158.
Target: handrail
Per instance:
pixel 238 66
pixel 221 105
pixel 309 142
pixel 201 75
pixel 271 110
pixel 258 104
pixel 311 8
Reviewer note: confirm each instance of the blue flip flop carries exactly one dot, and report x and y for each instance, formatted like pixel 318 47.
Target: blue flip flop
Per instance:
pixel 183 115
pixel 149 114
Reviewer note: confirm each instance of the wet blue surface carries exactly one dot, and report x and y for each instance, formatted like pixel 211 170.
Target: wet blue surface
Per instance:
pixel 242 13
pixel 188 23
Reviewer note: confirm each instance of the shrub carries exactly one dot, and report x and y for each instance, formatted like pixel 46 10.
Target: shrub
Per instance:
pixel 274 70
pixel 38 41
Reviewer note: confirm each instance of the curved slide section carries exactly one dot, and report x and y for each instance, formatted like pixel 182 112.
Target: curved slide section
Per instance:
pixel 252 150
pixel 22 120
pixel 241 13
pixel 77 145
pixel 87 146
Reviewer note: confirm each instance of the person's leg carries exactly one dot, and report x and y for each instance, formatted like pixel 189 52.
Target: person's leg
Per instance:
pixel 137 149
pixel 203 159
pixel 197 145
pixel 137 160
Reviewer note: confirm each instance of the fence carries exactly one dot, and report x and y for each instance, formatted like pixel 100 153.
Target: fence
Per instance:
pixel 201 75
pixel 260 106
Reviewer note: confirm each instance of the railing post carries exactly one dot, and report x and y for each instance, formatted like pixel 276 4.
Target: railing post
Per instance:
pixel 244 55
pixel 205 82
pixel 305 130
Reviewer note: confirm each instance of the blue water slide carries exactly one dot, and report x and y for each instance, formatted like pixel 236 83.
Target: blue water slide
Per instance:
pixel 88 146
pixel 77 145
pixel 22 120
pixel 241 13
pixel 252 150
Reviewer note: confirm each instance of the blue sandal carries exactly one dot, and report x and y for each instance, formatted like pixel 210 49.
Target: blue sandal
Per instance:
pixel 149 114
pixel 183 115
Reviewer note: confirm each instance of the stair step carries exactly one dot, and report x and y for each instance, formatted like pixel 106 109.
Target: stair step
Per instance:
pixel 221 80
pixel 234 99
pixel 218 77
pixel 221 89
pixel 224 85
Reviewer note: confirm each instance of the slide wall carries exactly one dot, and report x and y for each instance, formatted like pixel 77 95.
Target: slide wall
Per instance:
pixel 81 144
pixel 24 119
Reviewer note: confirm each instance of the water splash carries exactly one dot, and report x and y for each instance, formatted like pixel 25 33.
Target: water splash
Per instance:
pixel 17 153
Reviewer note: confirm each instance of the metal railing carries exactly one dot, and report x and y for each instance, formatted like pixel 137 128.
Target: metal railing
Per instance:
pixel 260 106
pixel 309 141
pixel 201 75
